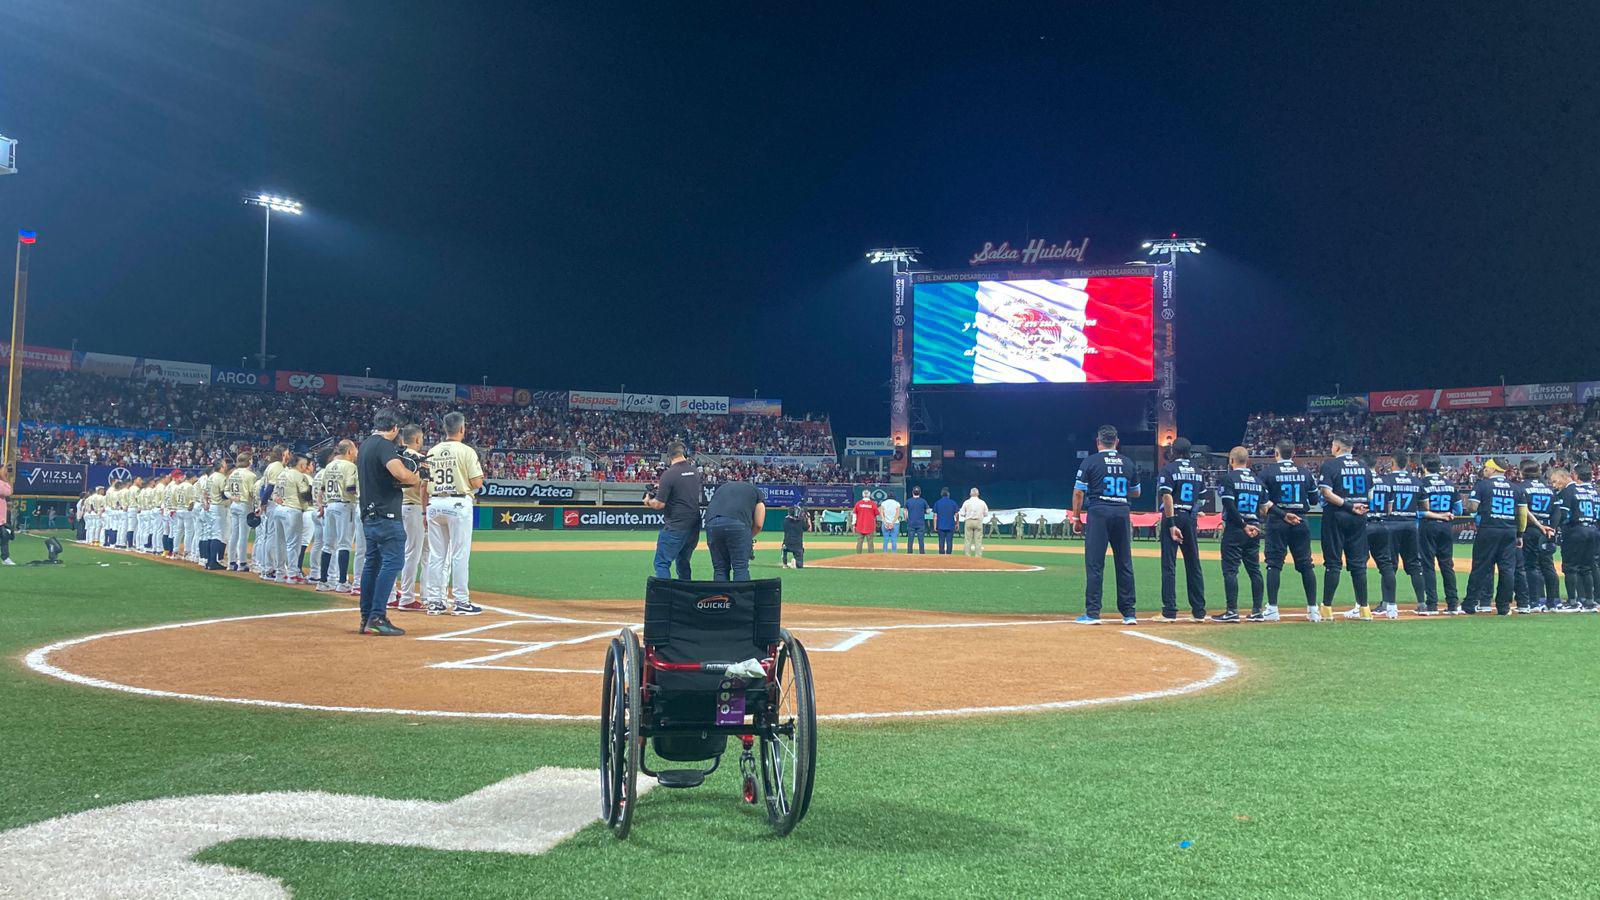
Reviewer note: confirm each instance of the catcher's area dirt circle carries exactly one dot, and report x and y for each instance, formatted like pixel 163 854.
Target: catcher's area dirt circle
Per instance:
pixel 533 659
pixel 907 562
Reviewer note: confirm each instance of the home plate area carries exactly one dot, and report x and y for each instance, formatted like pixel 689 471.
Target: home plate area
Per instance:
pixel 529 659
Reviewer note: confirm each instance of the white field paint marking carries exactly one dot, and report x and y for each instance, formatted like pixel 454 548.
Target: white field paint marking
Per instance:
pixel 822 564
pixel 143 849
pixel 38 660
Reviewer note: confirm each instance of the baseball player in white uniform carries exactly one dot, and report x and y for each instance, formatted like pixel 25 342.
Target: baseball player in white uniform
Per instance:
pixel 293 495
pixel 240 493
pixel 414 516
pixel 269 545
pixel 94 519
pixel 341 497
pixel 455 474
pixel 179 496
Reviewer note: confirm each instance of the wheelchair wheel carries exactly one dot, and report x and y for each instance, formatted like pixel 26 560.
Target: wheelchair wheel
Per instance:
pixel 789 758
pixel 611 743
pixel 629 715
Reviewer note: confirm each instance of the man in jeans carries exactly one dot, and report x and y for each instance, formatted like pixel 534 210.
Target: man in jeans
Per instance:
pixel 733 519
pixel 382 473
pixel 916 522
pixel 945 512
pixel 678 495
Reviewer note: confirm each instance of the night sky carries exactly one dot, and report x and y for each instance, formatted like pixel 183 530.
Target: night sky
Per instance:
pixel 577 196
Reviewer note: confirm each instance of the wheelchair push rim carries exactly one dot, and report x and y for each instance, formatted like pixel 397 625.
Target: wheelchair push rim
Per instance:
pixel 789 747
pixel 620 743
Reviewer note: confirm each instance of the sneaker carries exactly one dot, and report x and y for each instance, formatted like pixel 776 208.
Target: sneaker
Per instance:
pixel 344 588
pixel 1256 615
pixel 1327 612
pixel 7 562
pixel 1130 620
pixel 1270 614
pixel 392 604
pixel 1420 611
pixel 1389 611
pixel 435 608
pixel 1356 612
pixel 1364 613
pixel 1227 615
pixel 1312 615
pixel 1539 608
pixel 1568 606
pixel 1163 617
pixel 323 587
pixel 1087 620
pixel 381 626
pixel 411 606
pixel 1427 612
pixel 465 608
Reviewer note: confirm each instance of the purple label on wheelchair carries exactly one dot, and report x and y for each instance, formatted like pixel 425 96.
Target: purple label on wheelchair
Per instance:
pixel 730 702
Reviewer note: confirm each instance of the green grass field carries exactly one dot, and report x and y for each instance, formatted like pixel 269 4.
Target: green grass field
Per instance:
pixel 1413 758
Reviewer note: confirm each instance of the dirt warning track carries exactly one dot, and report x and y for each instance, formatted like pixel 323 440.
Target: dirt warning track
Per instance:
pixel 533 659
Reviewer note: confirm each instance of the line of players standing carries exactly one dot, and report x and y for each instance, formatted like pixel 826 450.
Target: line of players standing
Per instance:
pixel 297 510
pixel 1400 519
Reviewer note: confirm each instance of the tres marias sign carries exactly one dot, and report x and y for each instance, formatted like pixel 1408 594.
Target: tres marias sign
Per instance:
pixel 1036 252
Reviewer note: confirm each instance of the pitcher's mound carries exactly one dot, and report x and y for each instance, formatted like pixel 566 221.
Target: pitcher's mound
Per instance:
pixel 906 562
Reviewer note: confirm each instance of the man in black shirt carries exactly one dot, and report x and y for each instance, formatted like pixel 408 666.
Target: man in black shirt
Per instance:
pixel 733 519
pixel 382 472
pixel 1244 501
pixel 1500 509
pixel 1107 480
pixel 1574 515
pixel 1344 482
pixel 1537 588
pixel 794 537
pixel 1291 489
pixel 678 495
pixel 1178 491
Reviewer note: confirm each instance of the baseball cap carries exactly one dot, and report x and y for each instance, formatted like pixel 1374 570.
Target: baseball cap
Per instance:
pixel 177 473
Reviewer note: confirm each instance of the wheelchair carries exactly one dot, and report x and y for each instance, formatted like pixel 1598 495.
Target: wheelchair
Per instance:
pixel 674 693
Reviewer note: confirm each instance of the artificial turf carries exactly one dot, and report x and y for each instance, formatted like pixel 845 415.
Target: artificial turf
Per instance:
pixel 1447 757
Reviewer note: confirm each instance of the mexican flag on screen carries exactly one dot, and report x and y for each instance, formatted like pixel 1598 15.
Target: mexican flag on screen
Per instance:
pixel 1069 331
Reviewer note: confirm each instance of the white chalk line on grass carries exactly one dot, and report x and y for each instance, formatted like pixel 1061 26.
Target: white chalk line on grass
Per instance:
pixel 822 563
pixel 39 661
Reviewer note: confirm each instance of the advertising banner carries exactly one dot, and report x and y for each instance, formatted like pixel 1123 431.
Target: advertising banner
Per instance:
pixel 1399 401
pixel 358 386
pixel 503 489
pixel 425 390
pixel 542 399
pixel 102 476
pixel 1335 404
pixel 512 518
pixel 175 372
pixel 1584 391
pixel 648 403
pixel 39 357
pixel 1470 398
pixel 711 406
pixel 755 406
pixel 602 518
pixel 900 363
pixel 1541 394
pixel 779 496
pixel 593 400
pixel 244 379
pixel 108 364
pixel 484 394
pixel 49 478
pixel 804 462
pixel 306 383
pixel 138 434
pixel 868 446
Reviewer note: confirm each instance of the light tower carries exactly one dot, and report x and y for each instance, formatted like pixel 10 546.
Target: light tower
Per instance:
pixel 1166 343
pixel 269 203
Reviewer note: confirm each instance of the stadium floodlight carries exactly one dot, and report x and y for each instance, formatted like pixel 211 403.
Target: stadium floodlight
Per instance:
pixel 8 155
pixel 269 203
pixel 901 258
pixel 1172 246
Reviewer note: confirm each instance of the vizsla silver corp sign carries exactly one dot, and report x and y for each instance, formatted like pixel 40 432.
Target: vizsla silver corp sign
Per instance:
pixel 1037 251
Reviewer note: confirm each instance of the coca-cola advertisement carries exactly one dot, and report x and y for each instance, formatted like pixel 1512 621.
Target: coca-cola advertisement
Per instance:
pixel 1399 401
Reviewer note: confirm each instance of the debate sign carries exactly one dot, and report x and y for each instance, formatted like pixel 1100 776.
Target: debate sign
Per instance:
pixel 712 406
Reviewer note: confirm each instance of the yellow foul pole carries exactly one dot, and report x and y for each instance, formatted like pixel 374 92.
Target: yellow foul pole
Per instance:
pixel 9 449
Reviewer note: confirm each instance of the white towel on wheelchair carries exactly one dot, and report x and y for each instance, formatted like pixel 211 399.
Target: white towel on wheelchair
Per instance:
pixel 750 668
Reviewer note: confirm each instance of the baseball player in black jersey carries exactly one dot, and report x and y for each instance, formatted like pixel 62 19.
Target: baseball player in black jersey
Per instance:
pixel 1500 510
pixel 1244 502
pixel 1108 481
pixel 1436 540
pixel 1292 491
pixel 1344 482
pixel 1537 588
pixel 1575 513
pixel 1379 497
pixel 1179 490
pixel 1400 517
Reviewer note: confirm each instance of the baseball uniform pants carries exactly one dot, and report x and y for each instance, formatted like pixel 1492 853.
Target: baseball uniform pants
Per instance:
pixel 449 546
pixel 1107 528
pixel 1344 545
pixel 415 519
pixel 1495 547
pixel 1436 543
pixel 1194 578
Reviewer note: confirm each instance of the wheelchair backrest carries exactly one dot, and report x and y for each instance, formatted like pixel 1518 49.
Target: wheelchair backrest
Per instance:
pixel 715 621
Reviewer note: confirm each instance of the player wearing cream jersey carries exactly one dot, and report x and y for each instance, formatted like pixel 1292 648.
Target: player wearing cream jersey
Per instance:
pixel 94 519
pixel 454 475
pixel 239 491
pixel 112 526
pixel 414 517
pixel 179 493
pixel 341 497
pixel 292 496
pixel 268 542
pixel 313 517
pixel 215 509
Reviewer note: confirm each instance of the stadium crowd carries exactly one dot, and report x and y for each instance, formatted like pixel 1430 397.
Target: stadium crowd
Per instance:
pixel 1527 429
pixel 521 442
